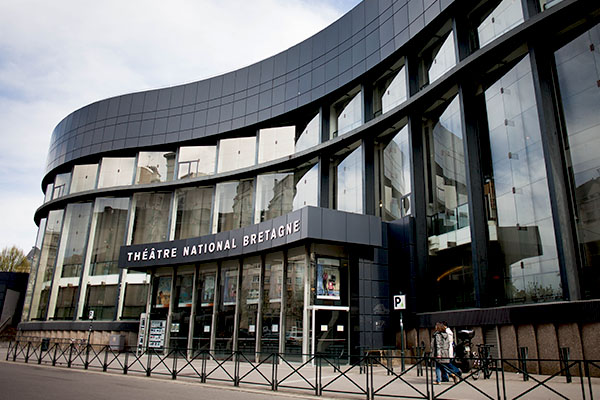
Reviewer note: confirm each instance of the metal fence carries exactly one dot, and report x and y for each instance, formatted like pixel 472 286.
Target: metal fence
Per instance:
pixel 360 376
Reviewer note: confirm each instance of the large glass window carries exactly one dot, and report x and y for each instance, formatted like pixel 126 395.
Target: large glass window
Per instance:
pixel 345 114
pixel 84 177
pixel 438 56
pixel 195 161
pixel 182 309
pixel 507 15
pixel 310 135
pixel 271 303
pixel 390 90
pixel 49 192
pixel 306 191
pixel 274 143
pixel 233 205
pixel 151 217
pixel 294 301
pixel 396 182
pixel 193 212
pixel 155 166
pixel 205 300
pixel 61 185
pixel 135 299
pixel 110 216
pixel 102 300
pixel 521 217
pixel 249 302
pixel 74 241
pixel 33 275
pixel 236 153
pixel 228 290
pixel 66 303
pixel 578 68
pixel 349 182
pixel 274 196
pixel 116 172
pixel 546 4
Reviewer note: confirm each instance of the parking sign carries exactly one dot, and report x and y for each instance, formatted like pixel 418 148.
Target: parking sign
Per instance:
pixel 400 302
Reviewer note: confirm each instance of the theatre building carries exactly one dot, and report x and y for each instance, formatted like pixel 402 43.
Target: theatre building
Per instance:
pixel 448 150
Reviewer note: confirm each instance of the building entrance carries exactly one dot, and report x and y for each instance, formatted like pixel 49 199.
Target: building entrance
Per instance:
pixel 329 331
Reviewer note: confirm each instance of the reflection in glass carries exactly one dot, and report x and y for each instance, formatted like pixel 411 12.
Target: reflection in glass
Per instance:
pixel 274 143
pixel 306 191
pixel 390 90
pixel 61 185
pixel 546 4
pixel 233 205
pixel 396 177
pixel 294 301
pixel 444 59
pixel 195 161
pixel 349 184
pixel 33 275
pixel 151 217
pixel 274 196
pixel 116 172
pixel 578 68
pixel 135 301
pixel 182 309
pixel 345 114
pixel 249 305
pixel 65 303
pixel 205 297
pixel 84 177
pixel 49 192
pixel 110 215
pixel 193 212
pixel 309 137
pixel 74 238
pixel 155 166
pixel 271 303
pixel 226 307
pixel 236 153
pixel 519 196
pixel 507 15
pixel 102 300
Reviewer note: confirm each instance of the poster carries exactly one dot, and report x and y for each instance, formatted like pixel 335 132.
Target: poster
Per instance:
pixel 156 339
pixel 229 287
pixel 163 292
pixel 208 291
pixel 185 292
pixel 328 280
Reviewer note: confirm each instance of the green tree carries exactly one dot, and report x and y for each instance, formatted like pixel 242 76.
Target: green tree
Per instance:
pixel 12 259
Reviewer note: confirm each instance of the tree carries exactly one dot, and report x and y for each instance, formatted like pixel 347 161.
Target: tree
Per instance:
pixel 13 260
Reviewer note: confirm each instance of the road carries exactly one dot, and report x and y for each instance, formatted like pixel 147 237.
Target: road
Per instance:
pixel 33 382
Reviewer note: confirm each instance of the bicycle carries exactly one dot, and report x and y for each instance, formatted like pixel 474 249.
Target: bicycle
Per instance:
pixel 482 361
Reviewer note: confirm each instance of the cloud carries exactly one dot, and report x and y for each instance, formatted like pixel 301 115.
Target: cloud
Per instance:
pixel 57 56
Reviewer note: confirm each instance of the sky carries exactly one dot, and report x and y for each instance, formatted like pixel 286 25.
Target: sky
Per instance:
pixel 58 56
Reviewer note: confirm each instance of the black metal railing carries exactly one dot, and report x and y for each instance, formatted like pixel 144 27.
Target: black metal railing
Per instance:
pixel 361 376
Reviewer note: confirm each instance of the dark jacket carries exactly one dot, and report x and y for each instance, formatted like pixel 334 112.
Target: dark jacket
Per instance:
pixel 440 347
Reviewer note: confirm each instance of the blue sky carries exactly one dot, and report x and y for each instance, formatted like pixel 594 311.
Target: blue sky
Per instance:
pixel 57 56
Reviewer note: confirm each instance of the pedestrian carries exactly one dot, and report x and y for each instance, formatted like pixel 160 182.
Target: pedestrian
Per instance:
pixel 439 350
pixel 453 368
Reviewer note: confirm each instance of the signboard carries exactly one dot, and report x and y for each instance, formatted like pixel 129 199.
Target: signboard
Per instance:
pixel 400 302
pixel 91 314
pixel 142 332
pixel 156 339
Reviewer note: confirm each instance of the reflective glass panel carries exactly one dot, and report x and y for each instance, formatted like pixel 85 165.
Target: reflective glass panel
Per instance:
pixel 249 305
pixel 274 196
pixel 116 172
pixel 182 310
pixel 193 212
pixel 274 143
pixel 228 290
pixel 307 187
pixel 294 302
pixel 346 114
pixel 155 166
pixel 66 303
pixel 233 205
pixel 134 303
pixel 310 136
pixel 396 177
pixel 443 59
pixel 37 250
pixel 49 192
pixel 546 4
pixel 236 153
pixel 61 185
pixel 271 303
pixel 151 217
pixel 110 215
pixel 578 68
pixel 84 177
pixel 195 161
pixel 74 238
pixel 521 215
pixel 102 300
pixel 349 184
pixel 507 15
pixel 205 298
pixel 390 90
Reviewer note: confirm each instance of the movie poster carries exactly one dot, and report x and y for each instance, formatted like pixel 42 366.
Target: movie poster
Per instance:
pixel 208 291
pixel 163 292
pixel 185 291
pixel 229 287
pixel 328 279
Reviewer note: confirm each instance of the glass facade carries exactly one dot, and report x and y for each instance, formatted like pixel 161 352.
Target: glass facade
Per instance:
pixel 110 219
pixel 274 143
pixel 154 167
pixel 182 308
pixel 61 185
pixel 249 304
pixel 225 311
pixel 390 90
pixel 205 302
pixel 66 303
pixel 151 217
pixel 306 192
pixel 236 153
pixel 102 300
pixel 74 239
pixel 396 181
pixel 310 136
pixel 274 196
pixel 195 161
pixel 272 292
pixel 233 205
pixel 116 172
pixel 84 177
pixel 134 303
pixel 349 182
pixel 193 212
pixel 346 114
pixel 507 15
pixel 294 302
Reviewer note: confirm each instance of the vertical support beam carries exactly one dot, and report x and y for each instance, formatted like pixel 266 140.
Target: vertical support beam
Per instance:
pixel 562 208
pixel 238 304
pixel 325 182
pixel 369 180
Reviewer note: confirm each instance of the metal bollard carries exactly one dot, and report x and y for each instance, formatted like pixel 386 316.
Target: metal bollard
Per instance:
pixel 565 356
pixel 523 353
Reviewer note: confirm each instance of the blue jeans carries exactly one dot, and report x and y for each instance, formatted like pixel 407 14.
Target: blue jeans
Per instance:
pixel 439 367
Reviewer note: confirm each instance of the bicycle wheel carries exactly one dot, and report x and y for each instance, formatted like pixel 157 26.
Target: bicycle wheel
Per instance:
pixel 475 374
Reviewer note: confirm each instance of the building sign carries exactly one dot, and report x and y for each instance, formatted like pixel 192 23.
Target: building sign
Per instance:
pixel 156 340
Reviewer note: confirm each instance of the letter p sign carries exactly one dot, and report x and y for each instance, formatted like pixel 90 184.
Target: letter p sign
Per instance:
pixel 400 302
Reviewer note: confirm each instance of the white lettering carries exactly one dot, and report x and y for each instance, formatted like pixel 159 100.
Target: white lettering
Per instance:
pixel 288 229
pixel 166 253
pixel 281 231
pixel 233 245
pixel 246 241
pixel 273 234
pixel 152 254
pixel 174 252
pixel 136 256
pixel 186 251
pixel 211 247
pixel 261 236
pixel 253 238
pixel 227 245
pixel 297 226
pixel 159 252
pixel 220 245
pixel 194 251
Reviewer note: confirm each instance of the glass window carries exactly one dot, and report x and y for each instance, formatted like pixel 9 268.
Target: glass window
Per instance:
pixel 74 238
pixel 84 177
pixel 193 212
pixel 134 302
pixel 226 308
pixel 151 217
pixel 271 304
pixel 61 185
pixel 396 182
pixel 274 143
pixel 31 284
pixel 438 56
pixel 155 166
pixel 236 153
pixel 349 183
pixel 49 192
pixel 546 4
pixel 66 303
pixel 182 310
pixel 233 205
pixel 346 114
pixel 294 302
pixel 390 90
pixel 310 135
pixel 274 196
pixel 249 305
pixel 205 298
pixel 507 15
pixel 195 161
pixel 116 172
pixel 520 203
pixel 306 191
pixel 102 300
pixel 578 68
pixel 110 215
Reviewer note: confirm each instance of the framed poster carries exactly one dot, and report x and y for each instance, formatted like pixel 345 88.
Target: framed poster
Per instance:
pixel 208 291
pixel 185 291
pixel 163 292
pixel 328 279
pixel 229 287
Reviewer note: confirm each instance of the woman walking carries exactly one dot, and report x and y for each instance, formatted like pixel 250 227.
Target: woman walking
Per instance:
pixel 440 350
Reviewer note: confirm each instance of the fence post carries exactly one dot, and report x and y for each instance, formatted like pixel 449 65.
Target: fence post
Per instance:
pixel 40 355
pixel 105 364
pixel 564 358
pixel 317 378
pixel 274 371
pixel 523 352
pixel 55 351
pixel 174 372
pixel 71 346
pixel 126 364
pixel 8 350
pixel 236 369
pixel 203 372
pixel 15 351
pixel 27 352
pixel 87 356
pixel 149 365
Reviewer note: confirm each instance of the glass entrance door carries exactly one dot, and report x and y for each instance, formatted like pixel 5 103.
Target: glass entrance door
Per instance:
pixel 329 332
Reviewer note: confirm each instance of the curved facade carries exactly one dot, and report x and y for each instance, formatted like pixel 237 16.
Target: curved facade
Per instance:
pixel 443 149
